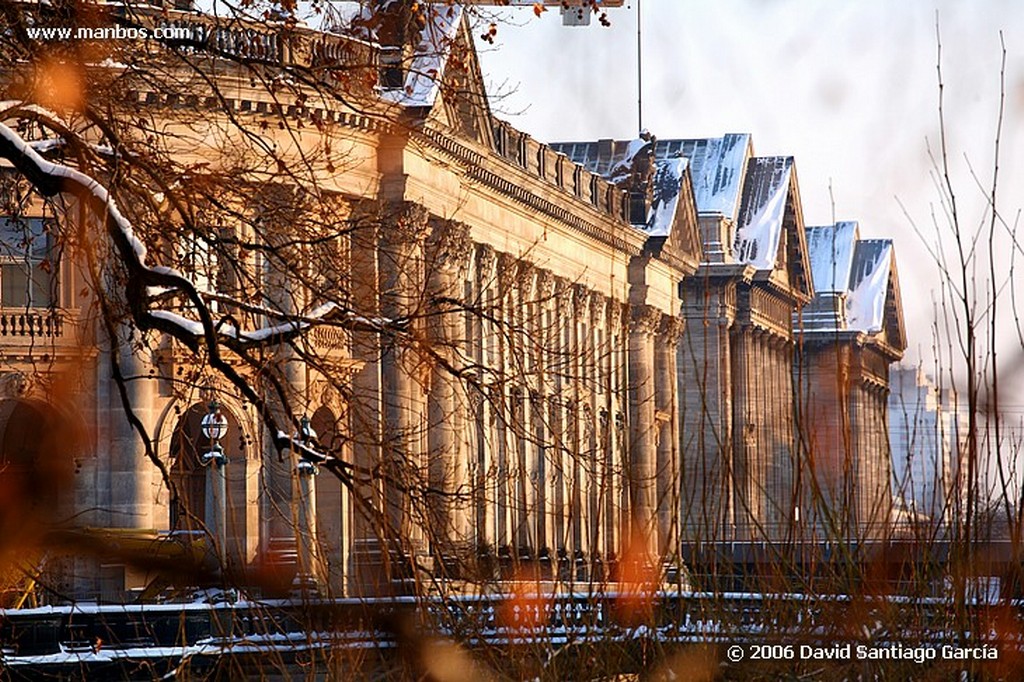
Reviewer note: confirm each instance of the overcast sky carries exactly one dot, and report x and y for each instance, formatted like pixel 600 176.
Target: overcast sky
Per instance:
pixel 847 88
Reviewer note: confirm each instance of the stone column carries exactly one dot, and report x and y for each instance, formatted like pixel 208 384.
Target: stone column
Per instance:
pixel 706 406
pixel 401 265
pixel 365 410
pixel 131 493
pixel 531 516
pixel 669 331
pixel 282 287
pixel 642 424
pixel 744 429
pixel 507 450
pixel 447 502
pixel 546 333
pixel 561 438
pixel 578 438
pixel 486 493
pixel 216 512
pixel 309 575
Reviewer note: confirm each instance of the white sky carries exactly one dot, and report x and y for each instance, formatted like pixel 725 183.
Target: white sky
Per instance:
pixel 847 88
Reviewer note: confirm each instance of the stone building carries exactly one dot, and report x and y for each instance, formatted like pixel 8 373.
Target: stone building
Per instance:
pixel 521 359
pixel 737 437
pixel 927 427
pixel 524 415
pixel 849 336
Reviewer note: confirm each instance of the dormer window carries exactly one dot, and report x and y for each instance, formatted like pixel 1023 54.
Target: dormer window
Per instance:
pixel 28 271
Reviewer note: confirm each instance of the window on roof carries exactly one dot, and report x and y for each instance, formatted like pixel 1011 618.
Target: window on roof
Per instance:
pixel 28 273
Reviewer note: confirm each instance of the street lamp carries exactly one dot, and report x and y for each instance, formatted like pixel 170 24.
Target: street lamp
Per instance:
pixel 305 523
pixel 215 427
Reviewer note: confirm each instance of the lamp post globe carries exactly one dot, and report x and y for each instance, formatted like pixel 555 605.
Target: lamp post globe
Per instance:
pixel 214 424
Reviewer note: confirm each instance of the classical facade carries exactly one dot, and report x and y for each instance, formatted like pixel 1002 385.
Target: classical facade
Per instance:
pixel 849 336
pixel 497 359
pixel 734 362
pixel 501 387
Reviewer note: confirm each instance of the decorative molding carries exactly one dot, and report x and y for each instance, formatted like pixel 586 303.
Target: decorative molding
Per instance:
pixel 13 385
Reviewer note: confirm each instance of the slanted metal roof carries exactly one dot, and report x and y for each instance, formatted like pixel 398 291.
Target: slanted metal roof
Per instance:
pixel 668 183
pixel 830 249
pixel 717 164
pixel 869 285
pixel 762 211
pixel 854 282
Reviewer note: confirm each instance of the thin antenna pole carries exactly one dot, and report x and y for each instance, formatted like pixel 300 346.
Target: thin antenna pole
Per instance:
pixel 639 74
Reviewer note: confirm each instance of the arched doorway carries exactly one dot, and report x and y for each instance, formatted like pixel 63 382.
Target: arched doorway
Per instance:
pixel 37 458
pixel 188 445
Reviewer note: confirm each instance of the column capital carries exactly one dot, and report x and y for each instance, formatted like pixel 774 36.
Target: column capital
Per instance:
pixel 486 257
pixel 580 295
pixel 508 270
pixel 545 284
pixel 644 319
pixel 671 328
pixel 406 222
pixel 451 245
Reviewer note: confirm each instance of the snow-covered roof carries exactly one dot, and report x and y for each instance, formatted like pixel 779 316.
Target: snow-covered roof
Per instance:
pixel 423 79
pixel 668 181
pixel 716 168
pixel 851 279
pixel 716 164
pixel 830 250
pixel 762 211
pixel 869 285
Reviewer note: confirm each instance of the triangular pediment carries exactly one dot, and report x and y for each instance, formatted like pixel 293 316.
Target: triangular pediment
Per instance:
pixel 463 102
pixel 895 331
pixel 672 220
pixel 793 258
pixel 770 227
pixel 441 82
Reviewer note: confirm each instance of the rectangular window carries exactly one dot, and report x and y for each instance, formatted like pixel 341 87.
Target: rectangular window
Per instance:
pixel 28 275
